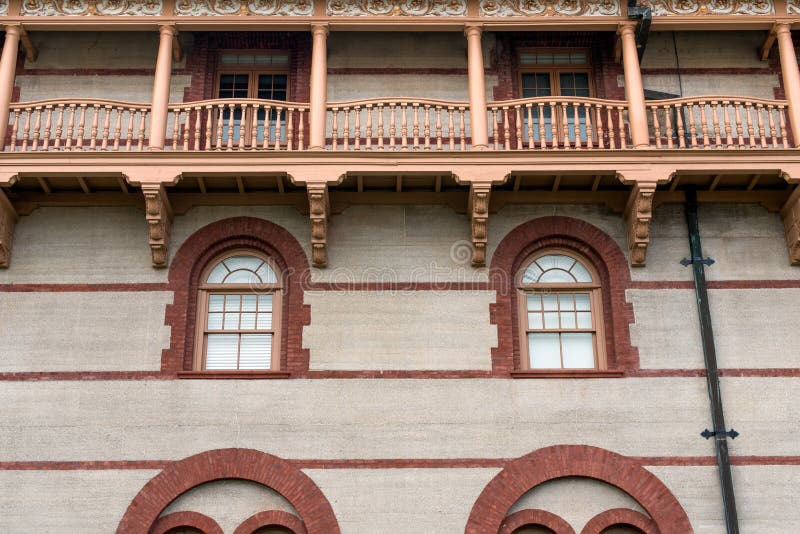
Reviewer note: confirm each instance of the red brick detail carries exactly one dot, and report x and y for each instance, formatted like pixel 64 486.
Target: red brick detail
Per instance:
pixel 271 518
pixel 620 516
pixel 535 518
pixel 211 241
pixel 194 520
pixel 560 461
pixel 244 464
pixel 594 244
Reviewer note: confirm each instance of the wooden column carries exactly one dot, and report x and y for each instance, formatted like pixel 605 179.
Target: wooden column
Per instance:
pixel 159 110
pixel 319 86
pixel 634 90
pixel 479 123
pixel 791 77
pixel 8 67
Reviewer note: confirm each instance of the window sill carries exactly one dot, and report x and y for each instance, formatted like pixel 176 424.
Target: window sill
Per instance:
pixel 567 373
pixel 235 375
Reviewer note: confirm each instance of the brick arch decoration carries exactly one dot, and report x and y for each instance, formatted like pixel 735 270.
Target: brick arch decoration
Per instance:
pixel 529 471
pixel 535 518
pixel 589 241
pixel 620 516
pixel 272 518
pixel 211 241
pixel 185 519
pixel 242 464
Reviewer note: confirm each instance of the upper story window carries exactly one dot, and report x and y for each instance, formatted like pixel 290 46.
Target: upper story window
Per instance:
pixel 560 312
pixel 238 314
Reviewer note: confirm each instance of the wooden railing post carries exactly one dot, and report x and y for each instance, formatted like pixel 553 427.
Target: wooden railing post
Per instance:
pixel 160 107
pixel 8 66
pixel 479 123
pixel 791 77
pixel 319 87
pixel 634 90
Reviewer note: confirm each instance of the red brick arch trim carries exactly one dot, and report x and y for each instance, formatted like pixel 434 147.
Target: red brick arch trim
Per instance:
pixel 535 518
pixel 243 464
pixel 529 471
pixel 620 516
pixel 195 520
pixel 271 518
pixel 209 242
pixel 589 241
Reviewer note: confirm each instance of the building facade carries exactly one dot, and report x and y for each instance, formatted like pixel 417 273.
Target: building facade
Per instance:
pixel 399 267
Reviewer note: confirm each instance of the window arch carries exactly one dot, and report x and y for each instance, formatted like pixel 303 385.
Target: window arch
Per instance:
pixel 238 319
pixel 560 312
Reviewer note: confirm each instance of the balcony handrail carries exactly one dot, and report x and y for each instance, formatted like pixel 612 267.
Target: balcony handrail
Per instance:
pixel 716 98
pixel 497 104
pixel 78 102
pixel 238 101
pixel 408 100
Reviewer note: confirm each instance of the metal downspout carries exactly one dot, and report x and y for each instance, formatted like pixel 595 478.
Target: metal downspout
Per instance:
pixel 719 433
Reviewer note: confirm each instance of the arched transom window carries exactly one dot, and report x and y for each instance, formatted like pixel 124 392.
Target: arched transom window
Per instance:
pixel 238 314
pixel 560 312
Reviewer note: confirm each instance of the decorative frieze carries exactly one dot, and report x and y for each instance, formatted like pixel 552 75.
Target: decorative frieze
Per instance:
pixel 319 207
pixel 638 213
pixel 3 7
pixel 8 220
pixel 522 8
pixel 793 7
pixel 200 8
pixel 51 8
pixel 709 7
pixel 159 221
pixel 478 209
pixel 392 8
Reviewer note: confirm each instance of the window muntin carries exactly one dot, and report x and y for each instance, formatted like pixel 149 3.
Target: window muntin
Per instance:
pixel 560 307
pixel 239 314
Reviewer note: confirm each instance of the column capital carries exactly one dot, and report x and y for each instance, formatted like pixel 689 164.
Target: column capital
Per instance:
pixel 626 28
pixel 320 28
pixel 168 29
pixel 14 29
pixel 781 28
pixel 473 29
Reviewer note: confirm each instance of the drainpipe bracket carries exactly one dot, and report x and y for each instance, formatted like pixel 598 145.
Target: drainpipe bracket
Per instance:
pixel 688 261
pixel 709 434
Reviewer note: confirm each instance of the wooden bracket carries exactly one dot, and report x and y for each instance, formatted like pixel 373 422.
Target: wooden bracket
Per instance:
pixel 158 212
pixel 8 220
pixel 478 209
pixel 177 49
pixel 638 213
pixel 769 41
pixel 791 224
pixel 319 208
pixel 31 52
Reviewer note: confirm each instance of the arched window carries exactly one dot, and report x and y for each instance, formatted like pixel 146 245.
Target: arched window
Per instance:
pixel 560 312
pixel 238 315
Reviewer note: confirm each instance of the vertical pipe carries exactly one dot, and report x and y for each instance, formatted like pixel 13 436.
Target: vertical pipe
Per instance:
pixel 634 90
pixel 791 77
pixel 160 105
pixel 477 89
pixel 712 372
pixel 8 67
pixel 318 100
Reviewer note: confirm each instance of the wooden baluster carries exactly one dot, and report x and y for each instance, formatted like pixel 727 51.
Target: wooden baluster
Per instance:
pixel 519 144
pixel 220 124
pixel 117 128
pixel 380 127
pixel 461 129
pixel 623 141
pixel 129 131
pixel 301 137
pixel 278 113
pixel 681 130
pixel 240 145
pixel 692 125
pixel 782 125
pixel 106 128
pixel 612 136
pixel 506 130
pixel 334 128
pixel 542 127
pixel 346 129
pixel 751 134
pixel 26 135
pixel 555 133
pixel 704 126
pixel 739 130
pixel 186 128
pixel 14 129
pixel 289 128
pixel 495 126
pixel 670 131
pixel 598 121
pixel 427 127
pixel 254 126
pixel 392 126
pixel 357 128
pixel 265 142
pixel 762 134
pixel 142 125
pixel 415 125
pixel 529 112
pixel 438 127
pixel 176 128
pixel 81 128
pixel 95 127
pixel 37 129
pixel 197 126
pixel 368 136
pixel 727 119
pixel 48 125
pixel 656 126
pixel 403 127
pixel 565 125
pixel 229 127
pixel 70 127
pixel 587 111
pixel 451 127
pixel 715 118
pixel 773 133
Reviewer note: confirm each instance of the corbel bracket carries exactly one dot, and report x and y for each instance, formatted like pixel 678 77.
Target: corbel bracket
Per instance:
pixel 8 221
pixel 177 49
pixel 31 52
pixel 638 213
pixel 158 212
pixel 319 208
pixel 790 213
pixel 478 209
pixel 769 42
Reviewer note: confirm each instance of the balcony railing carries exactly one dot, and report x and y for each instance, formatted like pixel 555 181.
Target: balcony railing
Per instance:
pixel 398 124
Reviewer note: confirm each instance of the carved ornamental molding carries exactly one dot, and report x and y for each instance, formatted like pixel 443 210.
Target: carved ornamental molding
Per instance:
pixel 392 8
pixel 638 213
pixel 521 8
pixel 710 7
pixel 48 8
pixel 319 208
pixel 478 209
pixel 3 7
pixel 8 220
pixel 793 7
pixel 159 221
pixel 200 8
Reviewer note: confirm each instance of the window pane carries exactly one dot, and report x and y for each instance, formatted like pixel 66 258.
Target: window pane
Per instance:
pixel 248 321
pixel 232 302
pixel 567 320
pixel 551 320
pixel 249 302
pixel 556 276
pixel 217 275
pixel 532 274
pixel 242 276
pixel 582 301
pixel 543 350
pixel 535 321
pixel 536 84
pixel 256 351
pixel 215 321
pixel 221 350
pixel 265 321
pixel 550 301
pixel 584 319
pixel 580 273
pixel 243 262
pixel 534 302
pixel 231 321
pixel 265 303
pixel 266 274
pixel 566 301
pixel 578 351
pixel 574 83
pixel 215 302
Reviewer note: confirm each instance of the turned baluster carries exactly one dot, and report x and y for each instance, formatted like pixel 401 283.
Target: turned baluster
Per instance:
pixel 380 127
pixel 26 135
pixel 623 141
pixel 128 131
pixel 727 119
pixel 37 129
pixel 265 142
pixel 670 131
pixel 209 126
pixel 438 127
pixel 392 126
pixel 334 128
pixel 762 134
pixel 656 127
pixel 403 127
pixel 565 125
pixel 229 127
pixel 301 137
pixel 542 127
pixel 612 136
pixel 176 128
pixel 289 128
pixel 415 125
pixel 692 125
pixel 782 125
pixel 368 135
pixel 95 127
pixel 346 129
pixel 186 128
pixel 772 131
pixel 48 125
pixel 598 121
pixel 555 133
pixel 117 129
pixel 739 130
pixel 197 126
pixel 495 125
pixel 254 126
pixel 278 114
pixel 587 111
pixel 715 118
pixel 451 126
pixel 142 124
pixel 704 125
pixel 681 130
pixel 106 128
pixel 751 133
pixel 14 128
pixel 462 131
pixel 427 127
pixel 220 126
pixel 519 145
pixel 506 130
pixel 529 112
pixel 240 145
pixel 357 128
